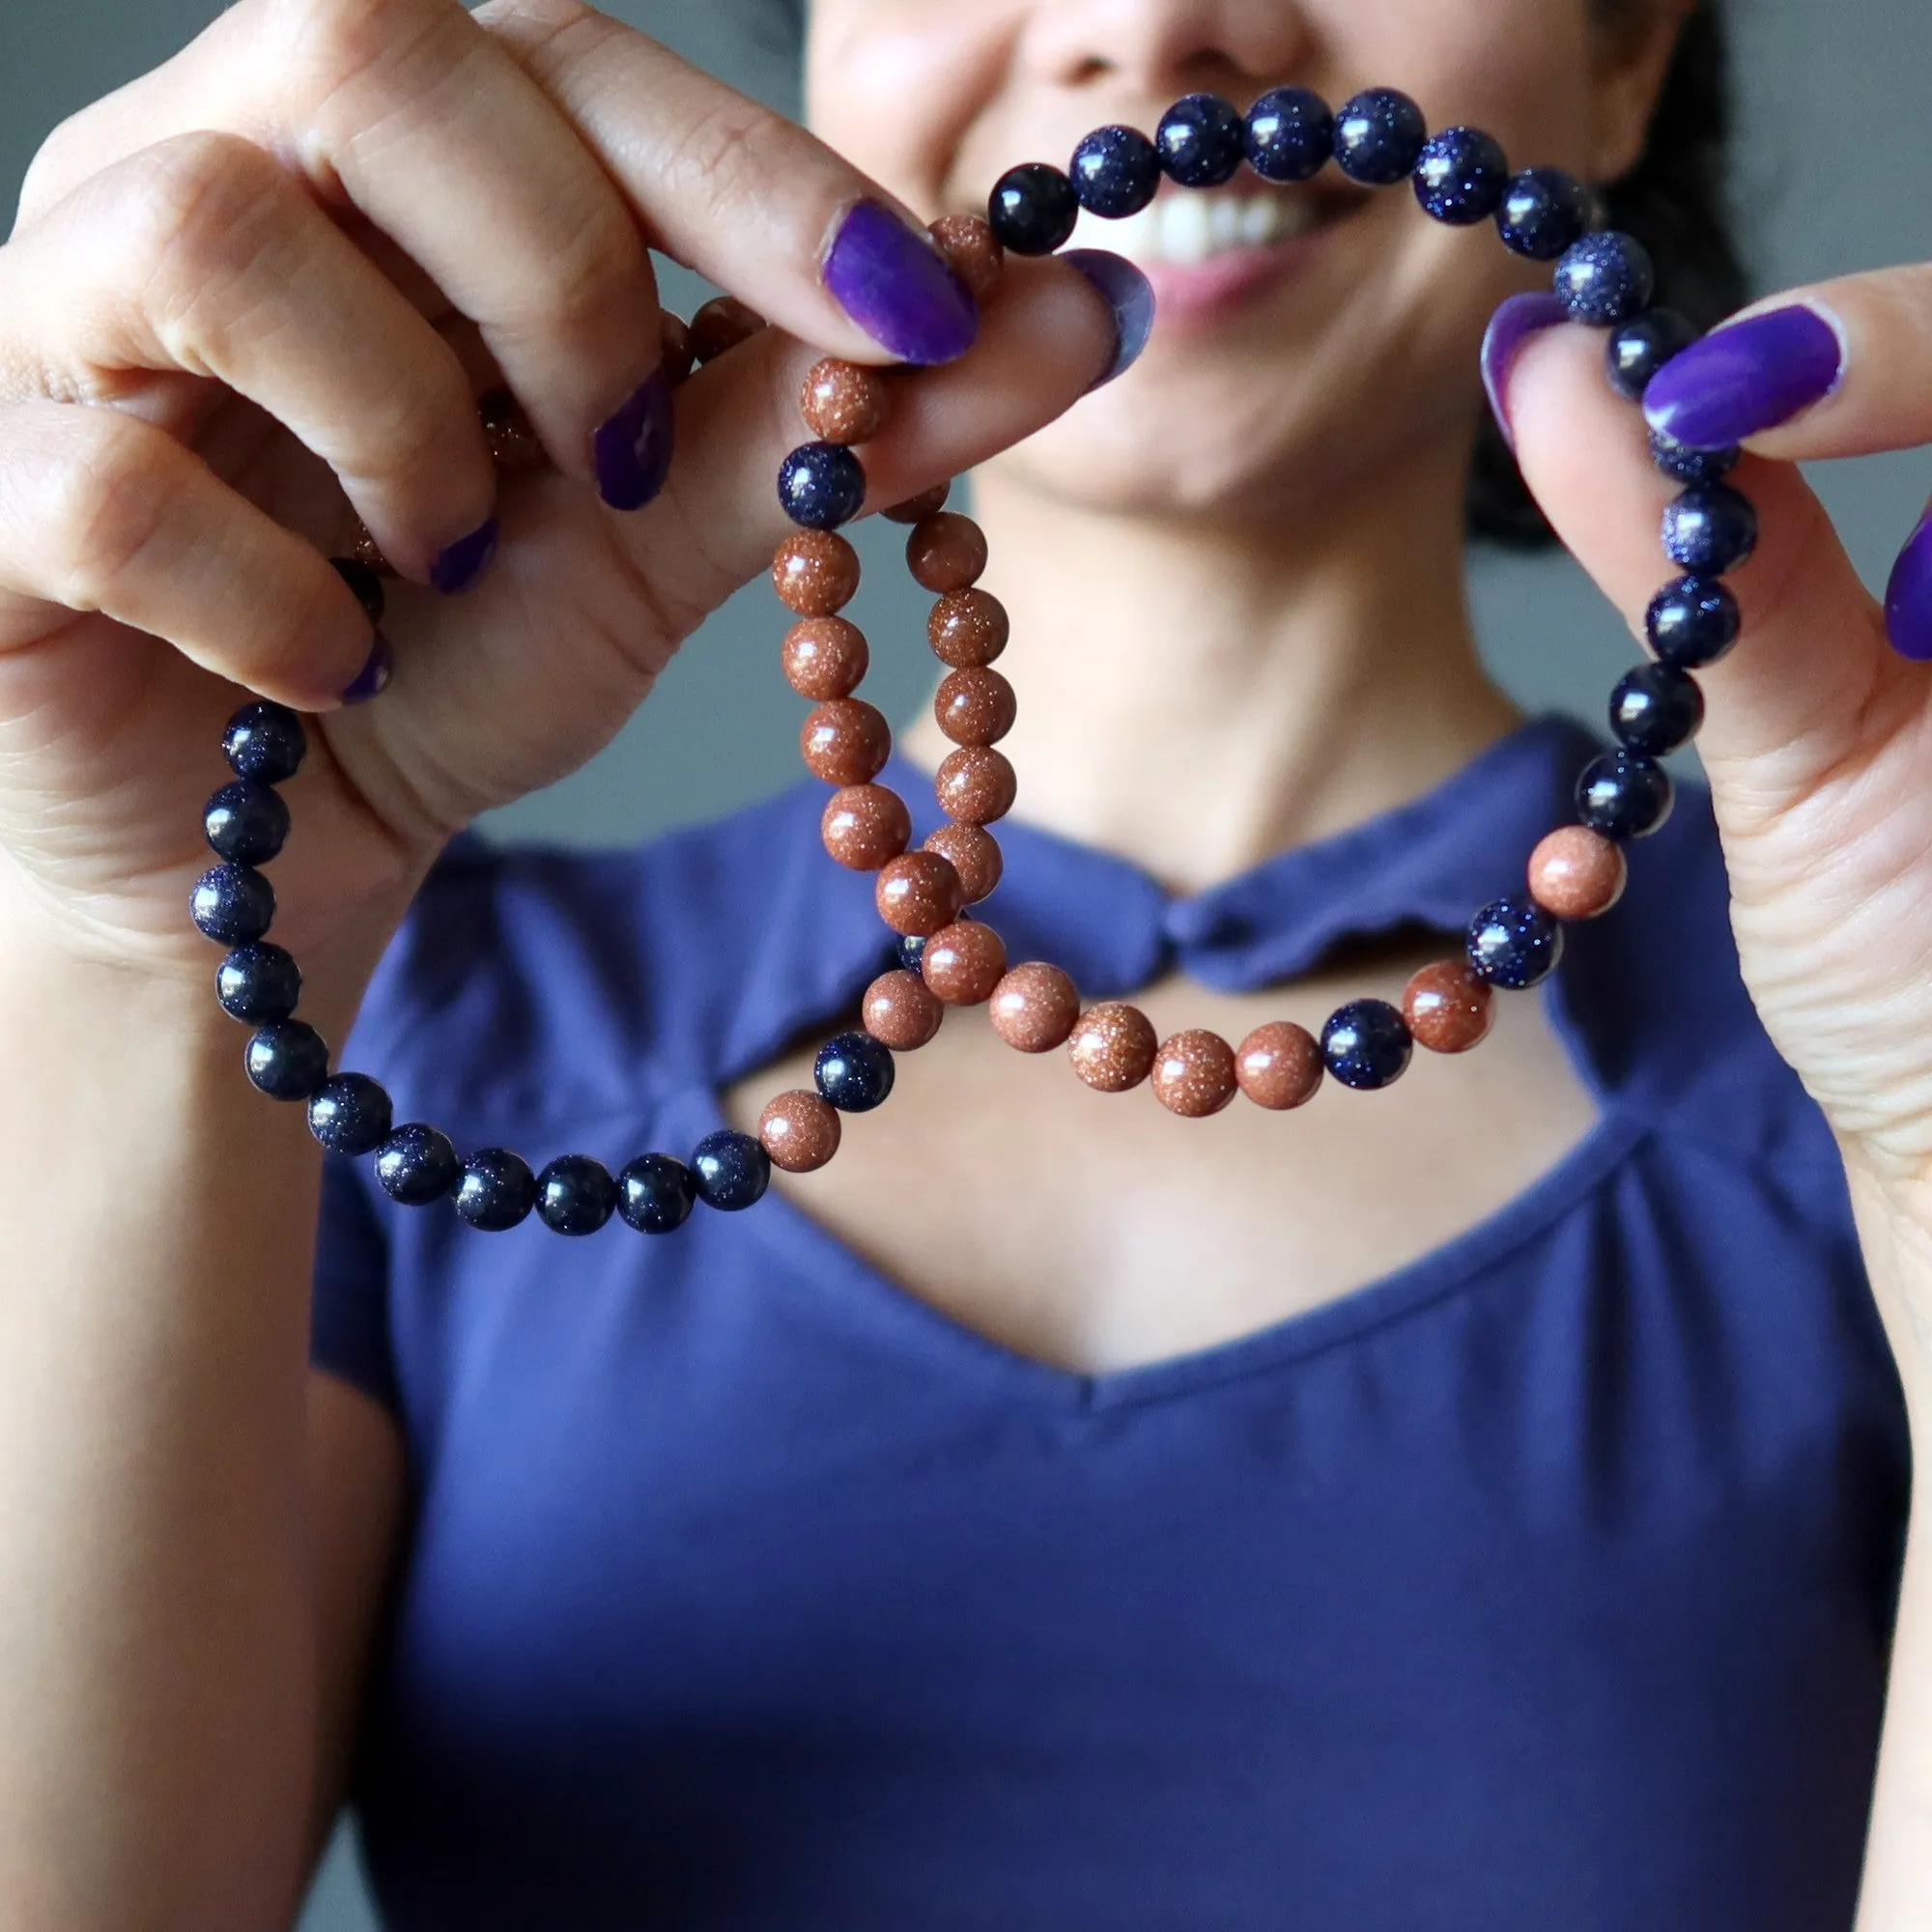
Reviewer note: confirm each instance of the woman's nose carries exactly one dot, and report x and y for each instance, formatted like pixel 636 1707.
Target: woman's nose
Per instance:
pixel 1159 47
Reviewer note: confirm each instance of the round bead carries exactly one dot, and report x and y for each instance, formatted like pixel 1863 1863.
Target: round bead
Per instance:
pixel 513 442
pixel 258 982
pixel 1112 1047
pixel 677 357
pixel 865 826
pixel 816 573
pixel 945 552
pixel 915 509
pixel 1200 141
pixel 1544 213
pixel 1033 1008
pixel 854 1072
pixel 821 485
pixel 496 1190
pixel 974 252
pixel 1577 873
pixel 265 741
pixel 1655 708
pixel 918 892
pixel 1367 1044
pixel 910 951
pixel 366 549
pixel 1032 209
pixel 350 1114
pixel 963 962
pixel 1692 622
pixel 976 784
pixel 1379 137
pixel 246 822
pixel 1625 795
pixel 1279 1065
pixel 1605 280
pixel 729 1171
pixel 231 904
pixel 975 707
pixel 576 1195
pixel 656 1194
pixel 845 742
pixel 902 1011
pixel 825 658
pixel 1460 176
pixel 799 1131
pixel 1710 529
pixel 1685 464
pixel 968 628
pixel 1194 1073
pixel 416 1165
pixel 972 852
pixel 845 401
pixel 1115 172
pixel 364 583
pixel 1640 347
pixel 720 324
pixel 1291 134
pixel 287 1060
pixel 1513 943
pixel 1447 1007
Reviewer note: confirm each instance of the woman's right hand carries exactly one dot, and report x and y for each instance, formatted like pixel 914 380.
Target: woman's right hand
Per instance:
pixel 254 294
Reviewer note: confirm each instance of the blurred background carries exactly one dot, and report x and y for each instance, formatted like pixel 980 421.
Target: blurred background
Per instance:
pixel 1838 144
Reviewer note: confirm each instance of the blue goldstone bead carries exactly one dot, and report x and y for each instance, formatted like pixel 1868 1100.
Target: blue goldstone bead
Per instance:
pixel 1032 209
pixel 1638 349
pixel 231 904
pixel 1655 709
pixel 1201 140
pixel 1461 175
pixel 1544 214
pixel 656 1193
pixel 821 485
pixel 1692 622
pixel 576 1195
pixel 265 741
pixel 854 1071
pixel 1710 529
pixel 348 1113
pixel 1291 134
pixel 1379 137
pixel 287 1060
pixel 1116 172
pixel 1367 1044
pixel 1605 280
pixel 416 1165
pixel 1515 944
pixel 912 951
pixel 730 1171
pixel 246 822
pixel 1625 795
pixel 364 582
pixel 1678 461
pixel 496 1191
pixel 258 982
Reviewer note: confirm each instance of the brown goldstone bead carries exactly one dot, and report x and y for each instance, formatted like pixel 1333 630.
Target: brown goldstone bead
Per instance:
pixel 902 1011
pixel 1113 1047
pixel 975 707
pixel 720 324
pixel 866 825
pixel 917 893
pixel 1578 874
pixel 1194 1073
pixel 365 549
pixel 976 784
pixel 843 402
pixel 845 742
pixel 945 552
pixel 968 628
pixel 825 657
pixel 973 249
pixel 513 443
pixel 916 509
pixel 975 855
pixel 678 356
pixel 816 573
pixel 1448 1008
pixel 963 962
pixel 1033 1008
pixel 1279 1065
pixel 799 1130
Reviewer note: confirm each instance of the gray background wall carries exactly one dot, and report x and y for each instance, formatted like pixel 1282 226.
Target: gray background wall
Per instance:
pixel 1838 146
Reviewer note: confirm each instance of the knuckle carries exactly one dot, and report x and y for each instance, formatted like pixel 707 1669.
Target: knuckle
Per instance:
pixel 105 506
pixel 331 44
pixel 729 152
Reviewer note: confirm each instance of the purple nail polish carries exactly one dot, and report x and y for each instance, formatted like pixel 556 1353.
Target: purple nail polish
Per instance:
pixel 1510 327
pixel 631 453
pixel 894 282
pixel 373 675
pixel 1907 598
pixel 1753 376
pixel 458 567
pixel 1129 295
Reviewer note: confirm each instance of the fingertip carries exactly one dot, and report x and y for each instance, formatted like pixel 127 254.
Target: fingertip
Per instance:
pixel 1908 597
pixel 1130 306
pixel 895 283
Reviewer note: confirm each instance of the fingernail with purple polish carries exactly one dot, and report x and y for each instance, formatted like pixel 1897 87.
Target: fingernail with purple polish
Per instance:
pixel 373 675
pixel 1510 327
pixel 1751 377
pixel 1129 295
pixel 1907 598
pixel 458 567
pixel 631 453
pixel 894 282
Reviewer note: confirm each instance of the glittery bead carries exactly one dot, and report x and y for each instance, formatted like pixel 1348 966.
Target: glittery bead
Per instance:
pixel 364 584
pixel 976 784
pixel 350 1114
pixel 975 707
pixel 1032 209
pixel 1605 280
pixel 231 904
pixel 416 1165
pixel 1200 141
pixel 1692 622
pixel 945 552
pixel 866 825
pixel 915 509
pixel 1460 176
pixel 968 628
pixel 825 658
pixel 919 893
pixel 677 357
pixel 496 1190
pixel 971 249
pixel 1367 1044
pixel 1655 708
pixel 1115 172
pixel 845 401
pixel 730 1171
pixel 287 1060
pixel 902 1011
pixel 1279 1065
pixel 963 962
pixel 515 448
pixel 1640 347
pixel 576 1195
pixel 854 1072
pixel 1515 944
pixel 1578 874
pixel 1033 1008
pixel 1710 531
pixel 258 982
pixel 799 1131
pixel 910 951
pixel 368 550
pixel 1545 213
pixel 972 852
pixel 656 1194
pixel 1447 1007
pixel 1624 795
pixel 1379 137
pixel 1112 1047
pixel 845 742
pixel 265 742
pixel 1291 134
pixel 821 485
pixel 1684 465
pixel 816 573
pixel 719 325
pixel 1193 1074
pixel 246 822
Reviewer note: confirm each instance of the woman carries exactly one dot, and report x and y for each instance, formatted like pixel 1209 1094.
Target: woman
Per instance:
pixel 1476 1504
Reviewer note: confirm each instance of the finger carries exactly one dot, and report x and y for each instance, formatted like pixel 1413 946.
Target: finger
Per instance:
pixel 100 511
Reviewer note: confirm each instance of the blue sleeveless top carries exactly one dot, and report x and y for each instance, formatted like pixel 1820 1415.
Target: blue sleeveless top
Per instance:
pixel 1547 1583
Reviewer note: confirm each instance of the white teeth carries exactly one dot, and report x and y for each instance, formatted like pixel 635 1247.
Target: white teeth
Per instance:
pixel 1184 230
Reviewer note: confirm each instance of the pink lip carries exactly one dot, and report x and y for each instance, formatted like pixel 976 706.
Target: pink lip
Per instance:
pixel 1191 298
